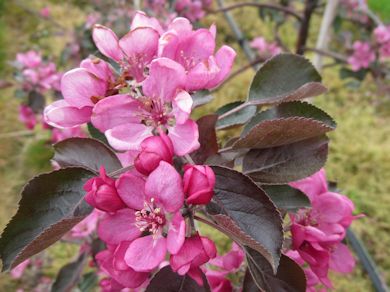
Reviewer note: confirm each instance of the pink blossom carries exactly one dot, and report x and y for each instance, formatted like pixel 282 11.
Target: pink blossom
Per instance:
pixel 194 50
pixel 317 232
pixel 18 271
pixel 153 150
pixel 86 226
pixel 196 251
pixel 199 181
pixel 192 9
pixel 102 194
pixel 382 35
pixel 82 88
pixel 153 208
pixel 27 116
pixel 111 262
pixel 30 59
pixel 362 56
pixel 45 12
pixel 58 135
pixel 134 51
pixel 127 121
pixel 226 264
pixel 264 48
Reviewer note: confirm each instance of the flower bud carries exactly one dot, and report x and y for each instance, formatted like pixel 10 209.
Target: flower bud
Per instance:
pixel 199 181
pixel 102 194
pixel 153 150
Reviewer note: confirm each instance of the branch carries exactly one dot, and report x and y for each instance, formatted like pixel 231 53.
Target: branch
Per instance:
pixel 310 6
pixel 333 55
pixel 284 9
pixel 243 69
pixel 242 41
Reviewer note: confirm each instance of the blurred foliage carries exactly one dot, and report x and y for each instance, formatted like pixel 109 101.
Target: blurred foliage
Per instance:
pixel 359 156
pixel 381 7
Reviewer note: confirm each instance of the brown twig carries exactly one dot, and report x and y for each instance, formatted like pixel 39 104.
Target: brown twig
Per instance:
pixel 243 69
pixel 284 9
pixel 310 6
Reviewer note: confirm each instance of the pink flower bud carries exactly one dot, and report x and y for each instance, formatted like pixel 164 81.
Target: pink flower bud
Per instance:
pixel 102 194
pixel 199 181
pixel 153 150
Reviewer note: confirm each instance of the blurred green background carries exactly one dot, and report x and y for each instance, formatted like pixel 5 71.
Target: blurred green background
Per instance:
pixel 359 158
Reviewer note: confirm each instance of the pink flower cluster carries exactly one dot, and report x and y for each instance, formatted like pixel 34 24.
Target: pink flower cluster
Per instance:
pixel 317 233
pixel 37 74
pixel 265 49
pixel 363 55
pixel 192 9
pixel 147 215
pixel 382 36
pixel 222 266
pixel 150 93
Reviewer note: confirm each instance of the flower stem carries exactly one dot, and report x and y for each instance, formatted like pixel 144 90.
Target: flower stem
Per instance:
pixel 189 159
pixel 121 170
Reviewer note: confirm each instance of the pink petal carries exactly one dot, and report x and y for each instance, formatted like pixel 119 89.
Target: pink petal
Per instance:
pixel 166 77
pixel 146 253
pixel 140 19
pixel 180 25
pixel 107 42
pixel 119 256
pixel 140 42
pixel 182 106
pixel 79 85
pixel 198 46
pixel 168 44
pixel 98 67
pixel 119 226
pixel 60 114
pixel 165 185
pixel 342 260
pixel 128 136
pixel 184 137
pixel 202 74
pixel 176 233
pixel 115 110
pixel 131 189
pixel 224 58
pixel 313 185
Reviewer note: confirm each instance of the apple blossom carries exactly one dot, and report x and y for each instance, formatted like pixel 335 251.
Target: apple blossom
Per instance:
pixel 199 181
pixel 362 56
pixel 102 194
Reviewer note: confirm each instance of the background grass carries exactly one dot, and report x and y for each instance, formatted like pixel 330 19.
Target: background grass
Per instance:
pixel 359 158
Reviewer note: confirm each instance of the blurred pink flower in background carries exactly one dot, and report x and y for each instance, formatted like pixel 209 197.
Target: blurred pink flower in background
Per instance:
pixel 362 56
pixel 265 49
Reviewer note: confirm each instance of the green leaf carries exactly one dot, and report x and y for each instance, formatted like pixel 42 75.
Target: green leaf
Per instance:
pixel 167 280
pixel 286 163
pixel 69 275
pixel 248 284
pixel 289 277
pixel 247 214
pixel 348 73
pixel 285 124
pixel 96 134
pixel 285 77
pixel 36 101
pixel 286 198
pixel 207 139
pixel 201 97
pixel 235 119
pixel 85 152
pixel 51 204
pixel 88 282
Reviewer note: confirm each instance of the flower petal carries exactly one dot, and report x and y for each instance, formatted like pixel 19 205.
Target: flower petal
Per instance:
pixel 165 185
pixel 115 110
pixel 118 226
pixel 224 58
pixel 182 106
pixel 140 19
pixel 184 137
pixel 141 41
pixel 128 136
pixel 60 114
pixel 146 253
pixel 176 233
pixel 107 42
pixel 98 67
pixel 166 77
pixel 79 85
pixel 131 189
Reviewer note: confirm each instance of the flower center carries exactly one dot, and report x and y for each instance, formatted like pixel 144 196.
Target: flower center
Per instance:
pixel 156 113
pixel 150 218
